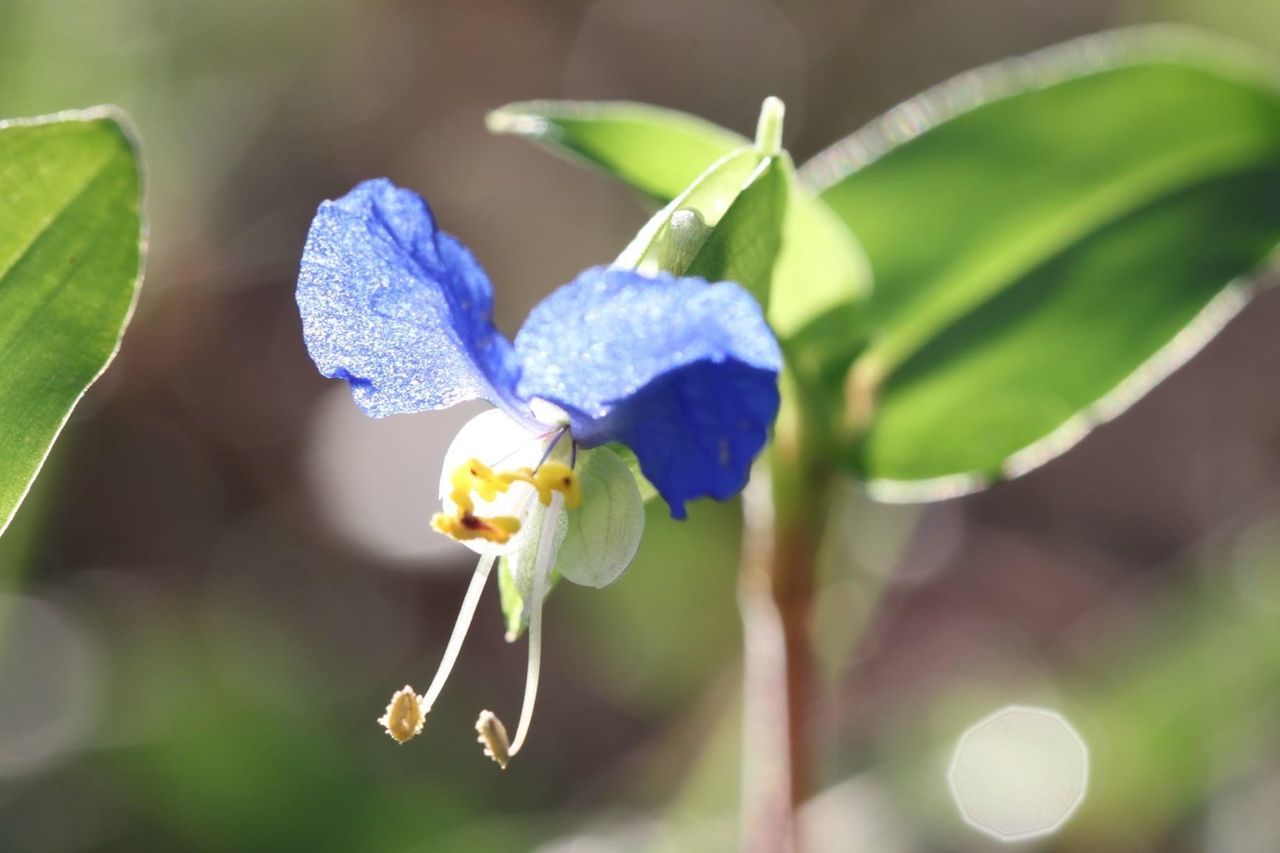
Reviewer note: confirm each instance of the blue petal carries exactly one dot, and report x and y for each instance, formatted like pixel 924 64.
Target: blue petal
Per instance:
pixel 683 372
pixel 398 308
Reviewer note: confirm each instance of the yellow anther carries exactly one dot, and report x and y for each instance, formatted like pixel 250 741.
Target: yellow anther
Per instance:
pixel 550 477
pixel 475 479
pixel 463 476
pixel 462 500
pixel 558 477
pixel 520 475
pixel 404 717
pixel 474 476
pixel 498 529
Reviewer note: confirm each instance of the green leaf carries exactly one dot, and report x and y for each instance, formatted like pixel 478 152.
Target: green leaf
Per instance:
pixel 661 152
pixel 604 532
pixel 744 245
pixel 70 264
pixel 657 151
pixel 1050 238
pixel 821 269
pixel 674 236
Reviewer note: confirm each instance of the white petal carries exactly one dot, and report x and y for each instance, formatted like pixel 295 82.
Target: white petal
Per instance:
pixel 504 445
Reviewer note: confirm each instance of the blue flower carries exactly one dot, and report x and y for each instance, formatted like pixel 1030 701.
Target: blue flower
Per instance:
pixel 682 372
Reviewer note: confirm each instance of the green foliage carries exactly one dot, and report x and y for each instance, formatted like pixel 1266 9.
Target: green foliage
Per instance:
pixel 1046 253
pixel 597 539
pixel 657 151
pixel 673 237
pixel 70 261
pixel 816 266
pixel 1050 237
pixel 820 271
pixel 745 242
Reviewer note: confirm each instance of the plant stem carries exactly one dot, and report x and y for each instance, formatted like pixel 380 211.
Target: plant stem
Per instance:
pixel 775 594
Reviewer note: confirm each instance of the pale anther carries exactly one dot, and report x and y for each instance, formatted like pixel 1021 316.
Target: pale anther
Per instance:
pixel 405 716
pixel 493 735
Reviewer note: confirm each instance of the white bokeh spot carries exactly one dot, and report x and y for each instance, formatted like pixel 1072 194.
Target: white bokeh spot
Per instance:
pixel 1019 773
pixel 375 479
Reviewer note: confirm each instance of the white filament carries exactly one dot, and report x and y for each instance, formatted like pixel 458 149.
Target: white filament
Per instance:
pixel 541 569
pixel 467 611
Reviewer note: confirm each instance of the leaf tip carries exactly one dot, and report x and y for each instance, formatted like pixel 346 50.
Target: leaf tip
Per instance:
pixel 769 126
pixel 511 120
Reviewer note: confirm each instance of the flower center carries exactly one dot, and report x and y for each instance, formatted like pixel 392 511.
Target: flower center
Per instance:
pixel 473 479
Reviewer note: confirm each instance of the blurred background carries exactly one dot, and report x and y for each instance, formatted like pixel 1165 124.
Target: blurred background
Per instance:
pixel 225 569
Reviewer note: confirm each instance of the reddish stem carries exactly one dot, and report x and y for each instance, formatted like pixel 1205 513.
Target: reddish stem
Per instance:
pixel 775 591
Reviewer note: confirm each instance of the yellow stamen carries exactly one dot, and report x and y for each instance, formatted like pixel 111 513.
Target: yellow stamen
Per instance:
pixel 498 529
pixel 473 477
pixel 558 477
pixel 550 477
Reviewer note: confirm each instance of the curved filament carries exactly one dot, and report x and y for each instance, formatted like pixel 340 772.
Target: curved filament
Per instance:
pixel 541 571
pixel 465 614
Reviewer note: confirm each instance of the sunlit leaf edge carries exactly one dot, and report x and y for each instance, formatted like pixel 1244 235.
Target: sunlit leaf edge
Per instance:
pixel 123 123
pixel 527 120
pixel 1056 64
pixel 535 121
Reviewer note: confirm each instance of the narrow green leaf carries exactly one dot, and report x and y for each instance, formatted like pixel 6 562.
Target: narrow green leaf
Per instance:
pixel 657 151
pixel 661 152
pixel 821 269
pixel 70 264
pixel 1050 238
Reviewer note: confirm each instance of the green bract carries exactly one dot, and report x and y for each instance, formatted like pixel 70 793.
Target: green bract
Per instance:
pixel 70 263
pixel 727 224
pixel 598 539
pixel 604 533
